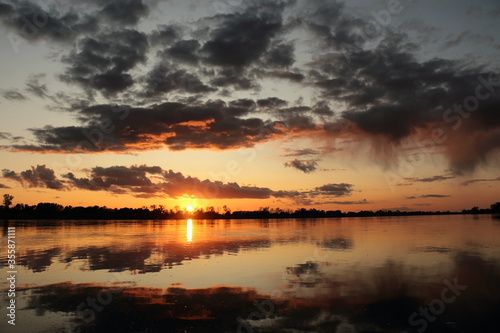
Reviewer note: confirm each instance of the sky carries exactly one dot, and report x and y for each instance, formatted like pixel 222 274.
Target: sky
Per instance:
pixel 350 105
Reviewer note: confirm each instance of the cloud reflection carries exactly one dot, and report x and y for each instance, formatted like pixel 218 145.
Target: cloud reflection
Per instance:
pixel 378 300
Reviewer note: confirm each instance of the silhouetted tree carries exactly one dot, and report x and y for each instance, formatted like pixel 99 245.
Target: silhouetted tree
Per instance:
pixel 495 208
pixel 7 200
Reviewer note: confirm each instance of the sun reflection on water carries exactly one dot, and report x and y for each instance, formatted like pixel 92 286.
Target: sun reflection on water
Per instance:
pixel 189 230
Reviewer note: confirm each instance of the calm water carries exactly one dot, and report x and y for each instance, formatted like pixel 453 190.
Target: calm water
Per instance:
pixel 391 274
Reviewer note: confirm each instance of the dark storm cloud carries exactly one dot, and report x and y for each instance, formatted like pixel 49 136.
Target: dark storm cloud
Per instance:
pixel 393 95
pixel 32 22
pixel 127 12
pixel 293 76
pixel 103 61
pixel 165 35
pixel 163 79
pixel 41 176
pixel 13 95
pixel 242 38
pixel 230 77
pixel 384 92
pixel 280 55
pixel 184 51
pixel 272 102
pixel 177 126
pixel 302 165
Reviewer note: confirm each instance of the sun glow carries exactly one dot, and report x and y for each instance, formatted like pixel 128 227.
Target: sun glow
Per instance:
pixel 189 208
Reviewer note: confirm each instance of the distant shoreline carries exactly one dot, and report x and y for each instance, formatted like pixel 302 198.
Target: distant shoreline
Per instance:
pixel 56 212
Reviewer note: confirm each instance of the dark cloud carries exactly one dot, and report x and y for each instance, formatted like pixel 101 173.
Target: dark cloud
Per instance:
pixel 302 165
pixel 185 51
pixel 242 38
pixel 41 176
pixel 438 178
pixel 230 77
pixel 359 202
pixel 153 181
pixel 163 80
pixel 127 12
pixel 4 186
pixel 272 102
pixel 165 35
pixel 35 87
pixel 294 76
pixel 336 190
pixel 32 22
pixel 383 91
pixel 301 152
pixel 13 95
pixel 472 181
pixel 394 96
pixel 280 55
pixel 429 196
pixel 103 61
pixel 435 196
pixel 177 126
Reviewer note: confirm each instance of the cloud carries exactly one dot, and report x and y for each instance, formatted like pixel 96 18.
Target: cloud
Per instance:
pixel 32 22
pixel 184 51
pixel 35 87
pixel 177 126
pixel 300 152
pixel 5 135
pixel 165 35
pixel 13 95
pixel 103 61
pixel 472 181
pixel 438 178
pixel 144 181
pixel 41 176
pixel 164 80
pixel 280 55
pixel 4 186
pixel 127 12
pixel 242 38
pixel 367 92
pixel 336 190
pixel 359 202
pixel 302 165
pixel 271 102
pixel 429 196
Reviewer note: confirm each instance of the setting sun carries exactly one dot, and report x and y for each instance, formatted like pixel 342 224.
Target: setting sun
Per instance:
pixel 189 208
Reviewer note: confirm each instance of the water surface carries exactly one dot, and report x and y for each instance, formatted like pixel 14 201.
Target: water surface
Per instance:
pixel 309 275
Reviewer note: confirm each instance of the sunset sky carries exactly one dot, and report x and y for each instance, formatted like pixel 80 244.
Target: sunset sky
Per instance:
pixel 350 105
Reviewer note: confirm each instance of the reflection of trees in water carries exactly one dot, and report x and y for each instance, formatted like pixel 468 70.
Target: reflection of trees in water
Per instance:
pixel 306 275
pixel 339 243
pixel 379 300
pixel 144 257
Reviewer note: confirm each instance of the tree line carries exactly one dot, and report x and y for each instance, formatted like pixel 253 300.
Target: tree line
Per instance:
pixel 46 210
